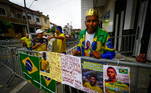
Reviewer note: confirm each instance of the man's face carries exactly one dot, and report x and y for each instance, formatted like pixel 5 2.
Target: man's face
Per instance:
pixel 27 35
pixel 40 35
pixel 91 23
pixel 92 81
pixel 111 73
pixel 57 31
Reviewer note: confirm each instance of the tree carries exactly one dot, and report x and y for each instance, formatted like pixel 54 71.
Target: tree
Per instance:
pixel 4 26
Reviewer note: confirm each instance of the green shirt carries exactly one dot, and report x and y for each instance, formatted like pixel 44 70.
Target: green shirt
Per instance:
pixel 100 39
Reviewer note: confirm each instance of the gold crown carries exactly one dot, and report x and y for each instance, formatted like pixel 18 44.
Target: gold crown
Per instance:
pixel 91 12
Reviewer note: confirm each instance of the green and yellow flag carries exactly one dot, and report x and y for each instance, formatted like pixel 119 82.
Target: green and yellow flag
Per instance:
pixel 48 84
pixel 29 65
pixel 30 68
pixel 123 71
pixel 47 80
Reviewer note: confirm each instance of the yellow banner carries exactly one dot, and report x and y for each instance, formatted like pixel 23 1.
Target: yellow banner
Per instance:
pixel 54 60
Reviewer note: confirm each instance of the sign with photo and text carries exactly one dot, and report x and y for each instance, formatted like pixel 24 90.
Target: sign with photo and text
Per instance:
pixel 116 79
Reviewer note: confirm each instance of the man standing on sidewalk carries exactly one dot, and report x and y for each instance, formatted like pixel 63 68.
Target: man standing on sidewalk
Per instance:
pixel 39 43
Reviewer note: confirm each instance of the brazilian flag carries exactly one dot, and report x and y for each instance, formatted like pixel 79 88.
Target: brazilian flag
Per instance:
pixel 48 84
pixel 30 68
pixel 123 71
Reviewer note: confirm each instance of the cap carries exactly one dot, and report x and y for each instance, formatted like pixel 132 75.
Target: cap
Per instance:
pixel 91 12
pixel 59 28
pixel 39 31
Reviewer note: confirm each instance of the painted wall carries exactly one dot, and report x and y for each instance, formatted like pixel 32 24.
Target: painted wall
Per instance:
pixel 130 14
pixel 85 5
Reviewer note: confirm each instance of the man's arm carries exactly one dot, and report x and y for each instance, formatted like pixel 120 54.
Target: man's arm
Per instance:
pixel 77 51
pixel 36 45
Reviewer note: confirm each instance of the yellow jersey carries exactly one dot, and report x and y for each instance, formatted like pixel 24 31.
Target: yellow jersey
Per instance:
pixel 95 88
pixel 60 46
pixel 27 41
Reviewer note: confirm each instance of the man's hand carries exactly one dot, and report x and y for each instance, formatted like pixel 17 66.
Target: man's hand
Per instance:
pixel 96 54
pixel 76 53
pixel 37 45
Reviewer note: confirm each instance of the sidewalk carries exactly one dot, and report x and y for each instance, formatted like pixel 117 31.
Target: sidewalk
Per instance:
pixel 16 85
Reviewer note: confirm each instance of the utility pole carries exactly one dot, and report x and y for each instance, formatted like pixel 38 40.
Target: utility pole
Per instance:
pixel 27 22
pixel 32 3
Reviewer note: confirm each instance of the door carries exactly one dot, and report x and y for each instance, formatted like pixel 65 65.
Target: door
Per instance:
pixel 149 50
pixel 140 27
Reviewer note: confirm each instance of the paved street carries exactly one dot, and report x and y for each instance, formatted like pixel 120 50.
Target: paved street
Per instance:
pixel 16 85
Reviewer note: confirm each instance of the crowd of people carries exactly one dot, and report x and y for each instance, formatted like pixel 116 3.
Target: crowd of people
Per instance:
pixel 55 42
pixel 93 41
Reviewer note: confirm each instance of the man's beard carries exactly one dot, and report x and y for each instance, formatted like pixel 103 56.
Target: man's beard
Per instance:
pixel 92 84
pixel 91 29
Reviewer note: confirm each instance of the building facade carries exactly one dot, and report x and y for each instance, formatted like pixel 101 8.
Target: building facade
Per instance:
pixel 127 21
pixel 22 19
pixel 45 22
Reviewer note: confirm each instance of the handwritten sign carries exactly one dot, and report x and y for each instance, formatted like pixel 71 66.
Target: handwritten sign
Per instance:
pixel 71 71
pixel 54 60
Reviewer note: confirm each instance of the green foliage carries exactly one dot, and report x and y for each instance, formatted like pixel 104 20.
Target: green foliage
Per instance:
pixel 4 26
pixel 51 30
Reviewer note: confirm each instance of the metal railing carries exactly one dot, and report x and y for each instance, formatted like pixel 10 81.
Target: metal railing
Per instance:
pixel 139 75
pixel 9 60
pixel 124 44
pixel 140 72
pixel 14 20
pixel 11 43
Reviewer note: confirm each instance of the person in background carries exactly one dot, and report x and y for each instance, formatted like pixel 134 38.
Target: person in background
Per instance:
pixel 26 40
pixel 60 41
pixel 51 42
pixel 94 41
pixel 39 43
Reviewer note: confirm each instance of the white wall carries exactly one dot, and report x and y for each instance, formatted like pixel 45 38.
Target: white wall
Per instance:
pixel 85 5
pixel 110 6
pixel 130 15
